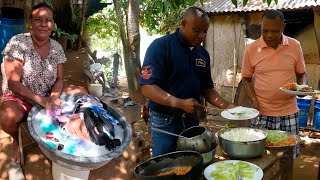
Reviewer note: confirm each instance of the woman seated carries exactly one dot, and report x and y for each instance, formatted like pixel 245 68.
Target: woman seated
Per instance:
pixel 33 73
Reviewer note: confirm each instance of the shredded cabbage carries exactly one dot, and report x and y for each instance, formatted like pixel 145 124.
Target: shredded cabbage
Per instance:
pixel 276 136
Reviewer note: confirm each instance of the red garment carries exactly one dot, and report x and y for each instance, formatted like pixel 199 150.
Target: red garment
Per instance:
pixel 10 97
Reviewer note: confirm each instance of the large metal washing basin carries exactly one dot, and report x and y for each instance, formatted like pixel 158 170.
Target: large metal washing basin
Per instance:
pixel 79 162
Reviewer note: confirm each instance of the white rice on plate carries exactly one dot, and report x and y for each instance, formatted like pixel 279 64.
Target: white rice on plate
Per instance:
pixel 240 112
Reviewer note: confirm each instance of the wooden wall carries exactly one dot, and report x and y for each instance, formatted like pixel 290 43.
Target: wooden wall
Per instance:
pixel 313 73
pixel 225 43
pixel 316 12
pixel 12 3
pixel 307 39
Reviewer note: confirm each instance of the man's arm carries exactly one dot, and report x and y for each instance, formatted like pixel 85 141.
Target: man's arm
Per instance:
pixel 159 96
pixel 247 83
pixel 302 78
pixel 212 96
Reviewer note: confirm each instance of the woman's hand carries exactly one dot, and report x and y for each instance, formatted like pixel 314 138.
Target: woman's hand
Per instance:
pixel 56 101
pixel 51 103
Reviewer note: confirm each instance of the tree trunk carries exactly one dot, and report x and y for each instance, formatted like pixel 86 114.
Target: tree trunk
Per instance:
pixel 131 46
pixel 83 20
pixel 134 49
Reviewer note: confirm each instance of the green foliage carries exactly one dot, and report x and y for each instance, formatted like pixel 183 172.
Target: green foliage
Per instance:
pixel 57 33
pixel 244 2
pixel 235 2
pixel 162 16
pixel 103 30
pixel 156 16
pixel 72 37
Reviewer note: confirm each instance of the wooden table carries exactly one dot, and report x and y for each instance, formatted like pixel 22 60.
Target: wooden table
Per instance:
pixel 275 163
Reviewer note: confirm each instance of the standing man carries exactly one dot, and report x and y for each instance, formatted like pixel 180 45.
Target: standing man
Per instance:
pixel 116 62
pixel 270 62
pixel 175 72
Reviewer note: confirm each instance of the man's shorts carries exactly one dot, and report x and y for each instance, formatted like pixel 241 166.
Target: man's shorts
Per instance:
pixel 10 97
pixel 284 123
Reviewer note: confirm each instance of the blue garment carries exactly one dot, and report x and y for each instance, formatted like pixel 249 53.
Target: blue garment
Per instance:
pixel 180 71
pixel 165 143
pixel 174 67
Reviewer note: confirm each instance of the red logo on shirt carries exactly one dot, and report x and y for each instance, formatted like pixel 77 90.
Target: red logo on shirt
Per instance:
pixel 146 72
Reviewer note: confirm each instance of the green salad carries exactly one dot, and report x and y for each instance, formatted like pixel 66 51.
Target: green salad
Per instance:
pixel 275 136
pixel 228 170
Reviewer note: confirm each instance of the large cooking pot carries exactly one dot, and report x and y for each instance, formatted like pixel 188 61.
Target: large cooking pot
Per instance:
pixel 198 138
pixel 247 149
pixel 150 168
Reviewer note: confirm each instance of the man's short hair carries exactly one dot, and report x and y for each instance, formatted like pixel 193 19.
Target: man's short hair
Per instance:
pixel 193 11
pixel 40 5
pixel 272 14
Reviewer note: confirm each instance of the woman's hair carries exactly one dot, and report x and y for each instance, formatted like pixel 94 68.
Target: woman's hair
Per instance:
pixel 40 5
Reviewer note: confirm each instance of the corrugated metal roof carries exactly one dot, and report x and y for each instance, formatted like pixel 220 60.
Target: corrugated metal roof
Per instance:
pixel 224 6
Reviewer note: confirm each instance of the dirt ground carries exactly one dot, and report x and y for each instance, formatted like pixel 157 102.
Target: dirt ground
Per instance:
pixel 38 167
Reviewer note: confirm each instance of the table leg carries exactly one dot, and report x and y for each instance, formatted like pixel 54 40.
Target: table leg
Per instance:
pixel 286 163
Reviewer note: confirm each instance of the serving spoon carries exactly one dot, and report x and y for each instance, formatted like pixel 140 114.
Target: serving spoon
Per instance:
pixel 166 132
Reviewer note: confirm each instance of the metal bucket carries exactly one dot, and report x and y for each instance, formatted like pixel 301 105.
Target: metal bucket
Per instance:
pixel 79 162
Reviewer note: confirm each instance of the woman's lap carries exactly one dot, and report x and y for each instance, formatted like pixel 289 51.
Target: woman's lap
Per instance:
pixel 11 112
pixel 14 102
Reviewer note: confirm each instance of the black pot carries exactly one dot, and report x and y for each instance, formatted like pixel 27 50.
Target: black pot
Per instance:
pixel 150 168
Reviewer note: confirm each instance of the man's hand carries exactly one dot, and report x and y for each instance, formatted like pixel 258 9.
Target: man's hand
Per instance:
pixel 191 106
pixel 231 105
pixel 254 103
